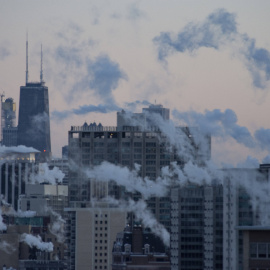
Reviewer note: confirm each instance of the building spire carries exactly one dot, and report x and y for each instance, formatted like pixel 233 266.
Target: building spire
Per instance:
pixel 26 72
pixel 41 68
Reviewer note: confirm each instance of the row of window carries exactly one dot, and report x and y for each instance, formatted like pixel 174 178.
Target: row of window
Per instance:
pixel 259 250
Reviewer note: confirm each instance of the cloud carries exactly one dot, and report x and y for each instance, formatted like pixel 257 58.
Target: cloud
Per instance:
pixel 250 162
pixel 4 52
pixel 134 12
pixel 218 124
pixel 100 108
pixel 104 76
pixel 69 55
pixel 85 109
pixel 218 30
pixel 263 137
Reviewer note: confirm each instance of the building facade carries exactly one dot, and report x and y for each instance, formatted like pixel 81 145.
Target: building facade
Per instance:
pixel 34 118
pixel 91 233
pixel 8 122
pixel 136 248
pixel 196 227
pixel 15 171
pixel 127 144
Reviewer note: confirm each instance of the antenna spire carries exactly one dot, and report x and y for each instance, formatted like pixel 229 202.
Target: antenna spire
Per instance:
pixel 41 68
pixel 26 72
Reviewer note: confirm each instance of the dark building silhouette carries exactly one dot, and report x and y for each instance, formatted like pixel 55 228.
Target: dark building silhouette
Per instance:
pixel 8 122
pixel 34 119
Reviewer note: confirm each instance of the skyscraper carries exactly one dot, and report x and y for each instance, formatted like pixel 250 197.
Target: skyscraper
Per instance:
pixel 34 119
pixel 8 122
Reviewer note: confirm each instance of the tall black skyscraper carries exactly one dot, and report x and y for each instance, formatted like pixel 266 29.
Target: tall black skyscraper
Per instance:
pixel 34 117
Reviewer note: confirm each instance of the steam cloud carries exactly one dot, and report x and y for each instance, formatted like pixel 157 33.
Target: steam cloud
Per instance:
pixel 16 149
pixel 4 52
pixel 3 226
pixel 6 247
pixel 143 215
pixel 217 123
pixel 36 241
pixel 45 174
pixel 100 108
pixel 57 227
pixel 218 30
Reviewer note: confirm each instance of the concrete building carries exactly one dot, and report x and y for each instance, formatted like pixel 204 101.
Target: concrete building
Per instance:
pixel 126 145
pixel 256 247
pixel 17 254
pixel 91 233
pixel 10 136
pixel 42 198
pixel 34 115
pixel 136 248
pixel 8 122
pixel 196 227
pixel 15 170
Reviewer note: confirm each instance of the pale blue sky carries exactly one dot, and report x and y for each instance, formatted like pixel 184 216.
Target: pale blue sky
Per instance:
pixel 84 40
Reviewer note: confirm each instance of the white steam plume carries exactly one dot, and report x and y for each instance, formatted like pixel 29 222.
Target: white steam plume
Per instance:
pixel 3 226
pixel 6 247
pixel 129 179
pixel 45 174
pixel 17 149
pixel 57 227
pixel 36 241
pixel 143 215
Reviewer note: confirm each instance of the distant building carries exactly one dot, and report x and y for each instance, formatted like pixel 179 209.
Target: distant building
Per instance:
pixel 139 249
pixel 10 136
pixel 34 116
pixel 65 152
pixel 8 122
pixel 8 117
pixel 15 171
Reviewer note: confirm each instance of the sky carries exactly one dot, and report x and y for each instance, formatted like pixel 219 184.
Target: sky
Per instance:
pixel 208 61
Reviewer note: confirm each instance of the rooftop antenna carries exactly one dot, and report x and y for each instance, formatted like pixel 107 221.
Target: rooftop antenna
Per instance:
pixel 26 72
pixel 41 69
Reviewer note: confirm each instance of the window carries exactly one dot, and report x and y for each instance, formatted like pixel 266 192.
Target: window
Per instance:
pixel 262 250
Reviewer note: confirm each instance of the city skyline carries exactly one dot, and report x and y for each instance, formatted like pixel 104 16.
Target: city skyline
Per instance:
pixel 123 43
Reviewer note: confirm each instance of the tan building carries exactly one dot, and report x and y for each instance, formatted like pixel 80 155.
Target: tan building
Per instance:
pixel 93 231
pixel 256 247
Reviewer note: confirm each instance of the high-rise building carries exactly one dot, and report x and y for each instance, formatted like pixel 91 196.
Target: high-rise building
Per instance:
pixel 8 122
pixel 15 171
pixel 91 232
pixel 126 145
pixel 34 117
pixel 196 230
